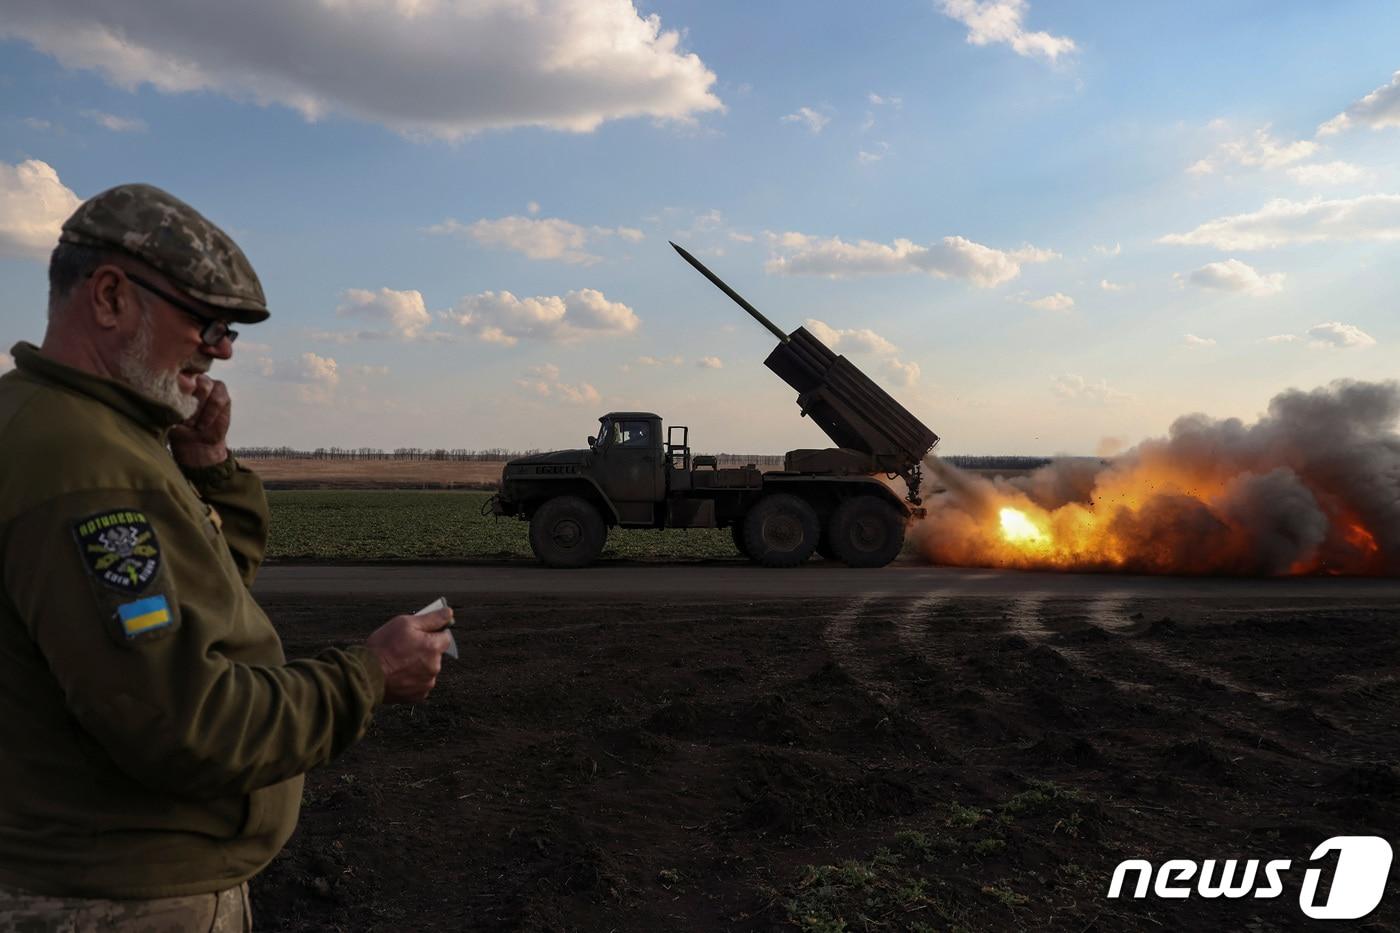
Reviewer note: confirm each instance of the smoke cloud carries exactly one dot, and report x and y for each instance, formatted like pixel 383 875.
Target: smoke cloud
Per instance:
pixel 1312 487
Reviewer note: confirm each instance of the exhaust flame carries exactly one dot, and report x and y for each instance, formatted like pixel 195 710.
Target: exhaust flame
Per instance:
pixel 1312 487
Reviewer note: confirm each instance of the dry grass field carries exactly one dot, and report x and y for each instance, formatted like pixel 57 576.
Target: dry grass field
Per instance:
pixel 378 474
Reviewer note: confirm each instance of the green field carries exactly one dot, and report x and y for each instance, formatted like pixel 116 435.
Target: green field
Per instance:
pixel 410 525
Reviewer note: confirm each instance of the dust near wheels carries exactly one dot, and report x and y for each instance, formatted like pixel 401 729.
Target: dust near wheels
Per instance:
pixel 567 531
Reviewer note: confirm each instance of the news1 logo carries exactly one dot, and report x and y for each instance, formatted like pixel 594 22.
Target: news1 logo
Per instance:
pixel 1358 883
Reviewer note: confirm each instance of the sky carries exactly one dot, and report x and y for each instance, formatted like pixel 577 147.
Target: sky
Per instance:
pixel 1044 226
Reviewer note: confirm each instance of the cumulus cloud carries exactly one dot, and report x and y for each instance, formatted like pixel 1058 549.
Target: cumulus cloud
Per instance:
pixel 33 206
pixel 880 100
pixel 812 119
pixel 1113 250
pixel 315 377
pixel 953 257
pixel 1378 110
pixel 500 317
pixel 1259 150
pixel 1193 341
pixel 1056 302
pixel 115 123
pixel 1338 335
pixel 1076 388
pixel 1282 222
pixel 543 381
pixel 1232 275
pixel 1331 335
pixel 660 361
pixel 1108 286
pixel 1327 173
pixel 422 67
pixel 403 312
pixel 710 362
pixel 902 374
pixel 537 238
pixel 864 340
pixel 999 21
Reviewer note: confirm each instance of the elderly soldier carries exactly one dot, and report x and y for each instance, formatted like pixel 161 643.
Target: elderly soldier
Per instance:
pixel 152 735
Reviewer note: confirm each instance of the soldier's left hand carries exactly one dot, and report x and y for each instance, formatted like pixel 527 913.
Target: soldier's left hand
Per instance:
pixel 199 440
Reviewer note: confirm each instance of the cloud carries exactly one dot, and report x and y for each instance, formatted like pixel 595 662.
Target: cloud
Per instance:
pixel 1235 276
pixel 710 362
pixel 537 238
pixel 814 120
pixel 861 340
pixel 1332 335
pixel 899 373
pixel 1193 341
pixel 1056 302
pixel 402 311
pixel 1328 173
pixel 953 257
pixel 421 67
pixel 1335 334
pixel 1108 286
pixel 867 156
pixel 315 377
pixel 999 21
pixel 1258 151
pixel 878 100
pixel 7 362
pixel 114 123
pixel 1113 250
pixel 663 361
pixel 1077 388
pixel 500 317
pixel 864 340
pixel 33 206
pixel 1282 222
pixel 543 381
pixel 34 123
pixel 1378 110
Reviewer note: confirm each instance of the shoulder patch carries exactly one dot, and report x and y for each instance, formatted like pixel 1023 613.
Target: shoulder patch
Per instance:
pixel 119 548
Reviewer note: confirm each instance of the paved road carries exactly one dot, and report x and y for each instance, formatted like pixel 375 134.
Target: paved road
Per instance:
pixel 813 580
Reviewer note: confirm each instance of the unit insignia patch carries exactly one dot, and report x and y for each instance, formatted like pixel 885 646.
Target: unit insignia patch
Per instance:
pixel 119 548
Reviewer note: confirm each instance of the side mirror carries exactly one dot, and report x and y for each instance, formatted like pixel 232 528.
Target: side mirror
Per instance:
pixel 592 441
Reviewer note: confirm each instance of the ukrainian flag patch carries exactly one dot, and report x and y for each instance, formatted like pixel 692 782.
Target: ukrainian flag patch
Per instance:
pixel 145 615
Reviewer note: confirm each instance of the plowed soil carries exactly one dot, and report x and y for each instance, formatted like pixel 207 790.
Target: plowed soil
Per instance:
pixel 858 764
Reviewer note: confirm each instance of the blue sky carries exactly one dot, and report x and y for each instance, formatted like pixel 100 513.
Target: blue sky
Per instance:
pixel 1044 226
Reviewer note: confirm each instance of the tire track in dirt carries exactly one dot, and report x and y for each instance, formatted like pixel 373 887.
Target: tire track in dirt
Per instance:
pixel 1109 613
pixel 1027 620
pixel 840 639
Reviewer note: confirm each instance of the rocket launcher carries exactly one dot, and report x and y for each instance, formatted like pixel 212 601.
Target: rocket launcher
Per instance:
pixel 874 433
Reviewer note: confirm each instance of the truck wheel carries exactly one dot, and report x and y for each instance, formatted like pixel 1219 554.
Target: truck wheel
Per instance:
pixel 866 532
pixel 567 532
pixel 737 530
pixel 781 531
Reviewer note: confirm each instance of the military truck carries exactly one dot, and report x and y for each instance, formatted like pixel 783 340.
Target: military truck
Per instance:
pixel 830 502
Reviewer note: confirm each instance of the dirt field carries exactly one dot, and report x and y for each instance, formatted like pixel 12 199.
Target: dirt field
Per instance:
pixel 937 762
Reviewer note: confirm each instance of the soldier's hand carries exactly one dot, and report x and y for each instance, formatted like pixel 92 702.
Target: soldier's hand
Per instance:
pixel 198 441
pixel 409 649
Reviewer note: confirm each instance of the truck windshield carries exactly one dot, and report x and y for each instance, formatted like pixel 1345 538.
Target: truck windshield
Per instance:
pixel 604 430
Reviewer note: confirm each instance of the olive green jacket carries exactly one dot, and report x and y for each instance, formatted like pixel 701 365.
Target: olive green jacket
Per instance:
pixel 152 734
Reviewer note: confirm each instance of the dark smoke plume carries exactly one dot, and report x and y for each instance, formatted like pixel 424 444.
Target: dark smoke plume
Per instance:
pixel 1312 487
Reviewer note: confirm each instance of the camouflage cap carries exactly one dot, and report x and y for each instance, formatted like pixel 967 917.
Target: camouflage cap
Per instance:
pixel 176 240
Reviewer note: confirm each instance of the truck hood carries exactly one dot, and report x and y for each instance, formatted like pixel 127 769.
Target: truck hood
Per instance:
pixel 554 456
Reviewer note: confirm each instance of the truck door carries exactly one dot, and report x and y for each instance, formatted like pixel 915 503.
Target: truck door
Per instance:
pixel 633 472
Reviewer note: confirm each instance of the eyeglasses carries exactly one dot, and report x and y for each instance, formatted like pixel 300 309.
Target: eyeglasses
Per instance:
pixel 214 329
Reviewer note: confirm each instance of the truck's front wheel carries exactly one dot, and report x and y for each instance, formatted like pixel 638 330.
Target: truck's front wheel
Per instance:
pixel 866 532
pixel 781 531
pixel 567 531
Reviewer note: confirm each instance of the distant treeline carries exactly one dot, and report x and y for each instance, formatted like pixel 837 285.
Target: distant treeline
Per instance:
pixel 440 453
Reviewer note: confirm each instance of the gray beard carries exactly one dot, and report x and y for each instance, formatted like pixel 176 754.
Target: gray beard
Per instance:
pixel 164 387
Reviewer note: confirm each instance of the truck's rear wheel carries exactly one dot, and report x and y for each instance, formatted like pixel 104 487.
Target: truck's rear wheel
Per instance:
pixel 737 530
pixel 567 531
pixel 866 532
pixel 781 531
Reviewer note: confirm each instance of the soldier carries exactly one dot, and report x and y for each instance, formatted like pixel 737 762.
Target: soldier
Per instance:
pixel 153 737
